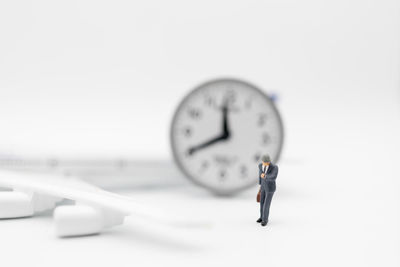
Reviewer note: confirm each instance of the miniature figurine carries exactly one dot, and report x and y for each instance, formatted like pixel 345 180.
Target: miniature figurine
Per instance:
pixel 267 175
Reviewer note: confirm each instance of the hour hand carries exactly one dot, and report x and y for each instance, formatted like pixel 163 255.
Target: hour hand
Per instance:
pixel 194 149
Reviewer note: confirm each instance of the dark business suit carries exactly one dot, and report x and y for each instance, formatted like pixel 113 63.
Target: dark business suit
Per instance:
pixel 268 188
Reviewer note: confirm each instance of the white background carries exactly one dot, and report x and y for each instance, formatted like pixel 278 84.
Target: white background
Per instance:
pixel 103 78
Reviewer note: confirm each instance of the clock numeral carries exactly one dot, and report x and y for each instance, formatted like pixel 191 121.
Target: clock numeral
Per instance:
pixel 194 113
pixel 231 96
pixel 222 175
pixel 204 166
pixel 262 119
pixel 243 171
pixel 187 132
pixel 209 101
pixel 266 139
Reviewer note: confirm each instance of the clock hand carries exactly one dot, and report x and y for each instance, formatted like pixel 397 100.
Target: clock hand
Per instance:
pixel 207 143
pixel 224 136
pixel 225 126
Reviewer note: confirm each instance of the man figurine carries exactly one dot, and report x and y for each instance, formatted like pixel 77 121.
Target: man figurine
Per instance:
pixel 267 176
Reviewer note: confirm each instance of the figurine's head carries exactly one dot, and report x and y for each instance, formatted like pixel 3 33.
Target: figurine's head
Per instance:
pixel 266 159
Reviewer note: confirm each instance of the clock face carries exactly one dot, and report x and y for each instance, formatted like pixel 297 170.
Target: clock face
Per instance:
pixel 221 130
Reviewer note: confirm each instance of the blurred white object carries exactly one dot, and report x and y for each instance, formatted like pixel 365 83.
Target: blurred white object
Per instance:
pixel 95 209
pixel 110 173
pixel 15 205
pixel 79 220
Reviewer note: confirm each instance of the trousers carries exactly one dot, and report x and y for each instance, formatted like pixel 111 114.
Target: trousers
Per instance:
pixel 265 203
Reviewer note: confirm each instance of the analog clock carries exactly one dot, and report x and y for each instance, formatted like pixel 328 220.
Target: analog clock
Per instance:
pixel 219 132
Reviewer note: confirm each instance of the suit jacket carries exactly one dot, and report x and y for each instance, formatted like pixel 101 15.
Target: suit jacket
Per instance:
pixel 268 183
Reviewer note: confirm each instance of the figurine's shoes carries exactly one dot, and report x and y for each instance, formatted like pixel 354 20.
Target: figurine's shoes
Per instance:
pixel 259 220
pixel 264 223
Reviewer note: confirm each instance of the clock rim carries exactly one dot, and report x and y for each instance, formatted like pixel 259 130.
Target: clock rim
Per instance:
pixel 173 122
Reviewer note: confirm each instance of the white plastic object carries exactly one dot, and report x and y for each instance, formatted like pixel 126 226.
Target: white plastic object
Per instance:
pixel 84 220
pixel 77 220
pixel 48 189
pixel 43 202
pixel 15 205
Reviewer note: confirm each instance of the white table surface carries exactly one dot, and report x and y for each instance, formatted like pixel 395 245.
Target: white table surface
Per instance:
pixel 332 208
pixel 337 203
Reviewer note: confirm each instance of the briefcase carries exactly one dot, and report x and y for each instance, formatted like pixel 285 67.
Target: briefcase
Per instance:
pixel 259 195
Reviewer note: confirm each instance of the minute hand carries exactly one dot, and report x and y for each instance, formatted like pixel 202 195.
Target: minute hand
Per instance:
pixel 225 126
pixel 194 149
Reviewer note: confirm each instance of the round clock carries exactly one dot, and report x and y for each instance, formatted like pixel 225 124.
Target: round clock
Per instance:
pixel 219 132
